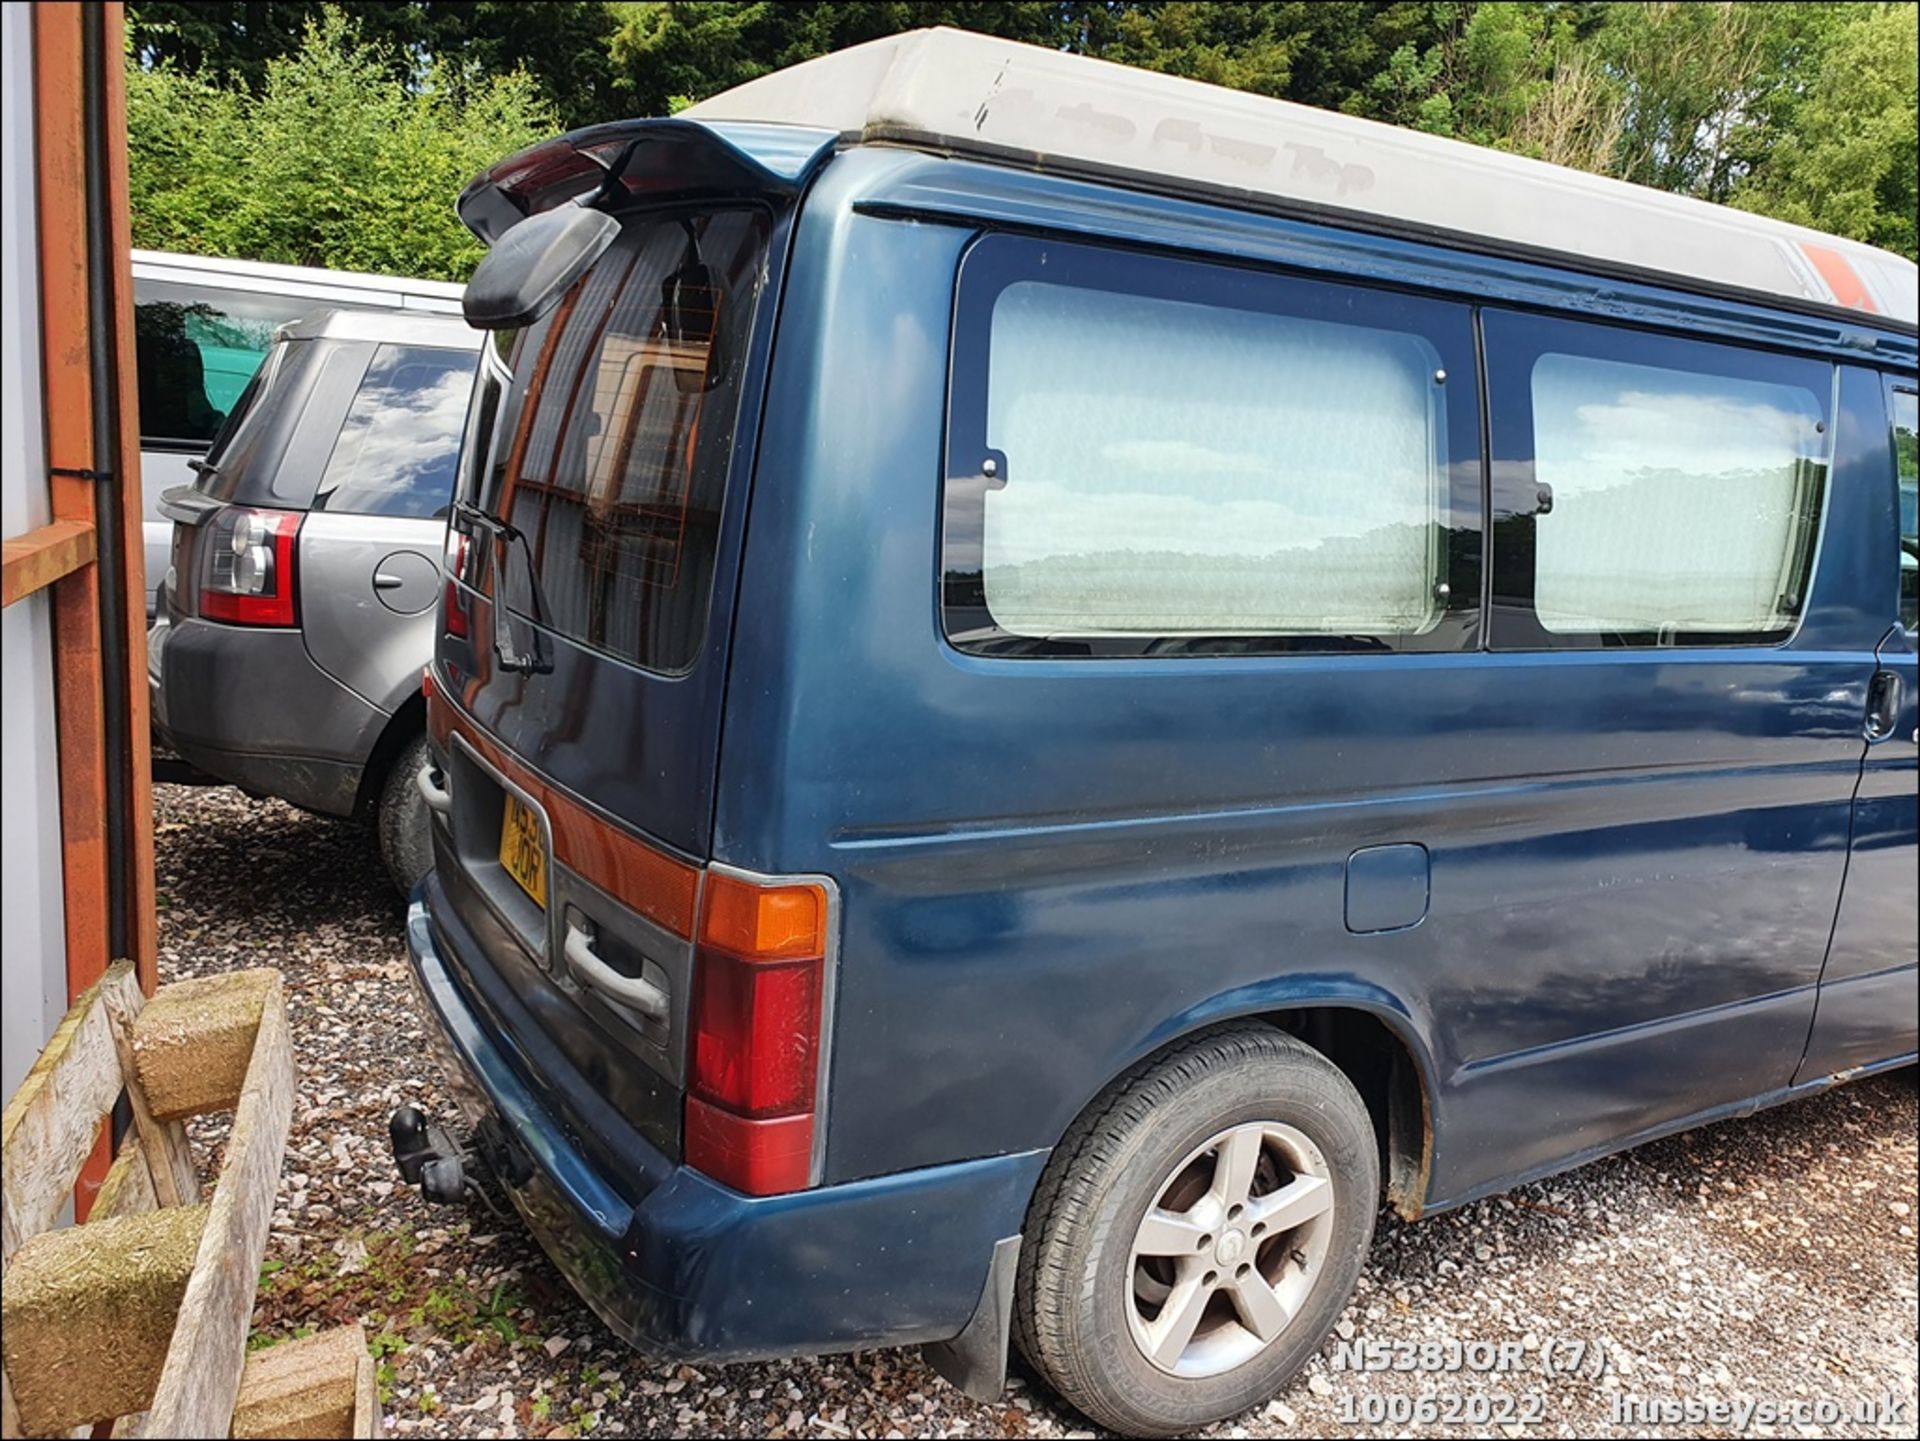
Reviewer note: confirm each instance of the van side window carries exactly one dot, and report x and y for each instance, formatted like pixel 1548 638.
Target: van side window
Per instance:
pixel 1154 456
pixel 195 349
pixel 398 447
pixel 1660 492
pixel 1907 473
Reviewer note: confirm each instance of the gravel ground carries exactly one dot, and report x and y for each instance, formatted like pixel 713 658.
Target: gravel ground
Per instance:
pixel 1767 1259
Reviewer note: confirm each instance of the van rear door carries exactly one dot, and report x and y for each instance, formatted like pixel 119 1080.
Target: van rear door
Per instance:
pixel 584 641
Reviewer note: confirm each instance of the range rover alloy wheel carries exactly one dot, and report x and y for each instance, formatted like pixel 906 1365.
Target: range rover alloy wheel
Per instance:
pixel 1198 1232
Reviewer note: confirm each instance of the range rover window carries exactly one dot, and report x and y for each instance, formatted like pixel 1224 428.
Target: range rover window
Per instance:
pixel 400 443
pixel 244 431
pixel 1160 457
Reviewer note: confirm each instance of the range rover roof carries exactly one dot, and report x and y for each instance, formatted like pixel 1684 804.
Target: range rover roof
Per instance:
pixel 954 90
pixel 392 327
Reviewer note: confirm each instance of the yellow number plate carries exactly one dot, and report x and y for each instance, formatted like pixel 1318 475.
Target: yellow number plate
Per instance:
pixel 522 853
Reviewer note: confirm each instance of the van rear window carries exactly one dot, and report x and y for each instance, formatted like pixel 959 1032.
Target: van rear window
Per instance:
pixel 617 459
pixel 1650 490
pixel 1682 502
pixel 1906 455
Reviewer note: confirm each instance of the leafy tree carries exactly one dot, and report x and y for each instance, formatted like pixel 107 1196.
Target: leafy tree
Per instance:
pixel 1710 84
pixel 1800 109
pixel 1519 77
pixel 1576 118
pixel 229 39
pixel 1475 81
pixel 562 44
pixel 666 52
pixel 1848 165
pixel 1247 47
pixel 334 162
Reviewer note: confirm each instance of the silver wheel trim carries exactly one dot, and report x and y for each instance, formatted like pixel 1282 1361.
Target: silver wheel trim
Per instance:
pixel 1230 1248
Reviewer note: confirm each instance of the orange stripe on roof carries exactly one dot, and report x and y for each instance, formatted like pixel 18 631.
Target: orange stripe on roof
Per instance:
pixel 1842 279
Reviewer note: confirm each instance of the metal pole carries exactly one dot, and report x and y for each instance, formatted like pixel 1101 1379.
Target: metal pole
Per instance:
pixel 111 563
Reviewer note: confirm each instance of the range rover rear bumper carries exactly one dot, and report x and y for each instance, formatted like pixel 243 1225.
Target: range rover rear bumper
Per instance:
pixel 690 1269
pixel 250 707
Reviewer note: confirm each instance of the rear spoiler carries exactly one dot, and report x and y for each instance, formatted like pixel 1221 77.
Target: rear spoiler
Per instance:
pixel 630 158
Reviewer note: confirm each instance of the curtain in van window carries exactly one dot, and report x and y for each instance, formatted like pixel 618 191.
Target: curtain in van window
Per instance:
pixel 1905 407
pixel 1681 502
pixel 1181 469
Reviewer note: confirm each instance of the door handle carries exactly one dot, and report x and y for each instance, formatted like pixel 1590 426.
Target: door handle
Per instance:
pixel 635 991
pixel 1884 697
pixel 433 788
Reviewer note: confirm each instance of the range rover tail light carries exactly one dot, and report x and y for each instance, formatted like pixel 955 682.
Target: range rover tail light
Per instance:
pixel 454 568
pixel 247 570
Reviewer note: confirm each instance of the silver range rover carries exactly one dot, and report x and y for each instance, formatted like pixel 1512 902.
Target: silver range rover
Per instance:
pixel 297 611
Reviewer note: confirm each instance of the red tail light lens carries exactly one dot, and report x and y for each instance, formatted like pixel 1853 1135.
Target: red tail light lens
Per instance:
pixel 455 567
pixel 756 1033
pixel 248 567
pixel 760 1158
pixel 758 978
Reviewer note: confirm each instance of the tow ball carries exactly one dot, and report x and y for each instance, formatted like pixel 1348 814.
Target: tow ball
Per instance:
pixel 427 1157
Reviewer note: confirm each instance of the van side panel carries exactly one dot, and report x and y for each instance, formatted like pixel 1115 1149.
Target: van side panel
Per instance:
pixel 1049 867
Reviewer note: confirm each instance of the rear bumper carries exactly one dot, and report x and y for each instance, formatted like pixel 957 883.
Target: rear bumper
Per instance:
pixel 251 707
pixel 687 1268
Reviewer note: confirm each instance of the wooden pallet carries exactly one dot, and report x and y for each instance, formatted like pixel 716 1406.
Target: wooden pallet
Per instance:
pixel 140 1317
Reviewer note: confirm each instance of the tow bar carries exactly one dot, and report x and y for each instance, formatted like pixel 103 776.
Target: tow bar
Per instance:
pixel 445 1171
pixel 427 1158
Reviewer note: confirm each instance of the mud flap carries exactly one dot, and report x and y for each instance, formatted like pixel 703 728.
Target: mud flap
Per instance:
pixel 976 1359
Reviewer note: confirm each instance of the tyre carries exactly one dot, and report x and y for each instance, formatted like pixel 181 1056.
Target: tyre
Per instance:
pixel 1197 1233
pixel 405 828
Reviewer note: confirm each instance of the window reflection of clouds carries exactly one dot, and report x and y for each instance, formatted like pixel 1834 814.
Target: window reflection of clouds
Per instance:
pixel 398 446
pixel 1681 500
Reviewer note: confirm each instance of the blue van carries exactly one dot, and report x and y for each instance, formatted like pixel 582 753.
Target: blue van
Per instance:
pixel 1054 683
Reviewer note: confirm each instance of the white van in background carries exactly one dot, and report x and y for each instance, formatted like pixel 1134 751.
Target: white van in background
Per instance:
pixel 201 328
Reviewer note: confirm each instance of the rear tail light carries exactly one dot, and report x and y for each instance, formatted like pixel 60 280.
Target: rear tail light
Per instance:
pixel 455 566
pixel 248 573
pixel 759 979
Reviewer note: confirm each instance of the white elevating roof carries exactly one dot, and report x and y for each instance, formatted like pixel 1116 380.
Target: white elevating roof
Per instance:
pixel 955 90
